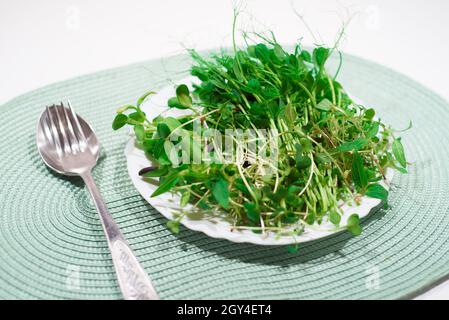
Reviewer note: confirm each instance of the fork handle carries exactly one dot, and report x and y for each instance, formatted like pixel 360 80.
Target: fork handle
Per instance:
pixel 132 278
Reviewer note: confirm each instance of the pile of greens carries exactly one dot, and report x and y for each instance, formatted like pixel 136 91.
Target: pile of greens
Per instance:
pixel 331 150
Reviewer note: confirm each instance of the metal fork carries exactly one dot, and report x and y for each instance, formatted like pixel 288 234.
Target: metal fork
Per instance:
pixel 68 145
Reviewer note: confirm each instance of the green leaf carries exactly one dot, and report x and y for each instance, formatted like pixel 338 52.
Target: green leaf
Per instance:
pixel 290 217
pixel 139 131
pixel 183 95
pixel 306 145
pixel 156 172
pixel 262 53
pixel 173 225
pixel 138 116
pixel 334 217
pixel 402 170
pixel 219 84
pixel 172 123
pixel 310 218
pixel 251 50
pixel 359 175
pixel 353 225
pixel 398 151
pixel 320 56
pixel 369 114
pixel 298 148
pixel 302 162
pixel 306 56
pixel 373 130
pixel 271 93
pixel 142 98
pixel 185 198
pixel 355 145
pixel 220 190
pixel 166 185
pixel 324 105
pixel 292 248
pixel 377 191
pixel 174 103
pixel 279 52
pixel 253 86
pixel 163 130
pixel 252 212
pixel 155 147
pixel 119 121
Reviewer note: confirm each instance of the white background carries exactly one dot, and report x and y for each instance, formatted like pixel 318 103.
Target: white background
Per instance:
pixel 51 40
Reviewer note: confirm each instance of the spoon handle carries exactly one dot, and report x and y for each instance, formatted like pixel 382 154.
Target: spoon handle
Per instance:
pixel 132 278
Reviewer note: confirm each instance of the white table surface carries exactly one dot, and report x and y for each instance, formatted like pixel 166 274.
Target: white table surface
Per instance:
pixel 46 41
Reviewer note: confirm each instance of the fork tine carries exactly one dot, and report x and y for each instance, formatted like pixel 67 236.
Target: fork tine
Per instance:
pixel 73 140
pixel 78 131
pixel 45 126
pixel 53 130
pixel 60 126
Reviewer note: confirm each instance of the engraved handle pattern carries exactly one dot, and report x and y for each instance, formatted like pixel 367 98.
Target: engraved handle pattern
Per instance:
pixel 132 278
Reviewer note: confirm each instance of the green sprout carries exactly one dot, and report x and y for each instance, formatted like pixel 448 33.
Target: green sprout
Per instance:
pixel 331 149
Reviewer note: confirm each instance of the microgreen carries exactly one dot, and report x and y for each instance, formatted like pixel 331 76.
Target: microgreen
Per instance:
pixel 173 225
pixel 398 151
pixel 119 121
pixel 359 175
pixel 353 224
pixel 331 149
pixel 375 190
pixel 220 190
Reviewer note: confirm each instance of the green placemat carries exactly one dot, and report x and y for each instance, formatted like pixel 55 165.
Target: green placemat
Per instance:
pixel 52 244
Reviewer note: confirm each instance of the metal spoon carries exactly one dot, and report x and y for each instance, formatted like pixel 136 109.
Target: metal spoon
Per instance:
pixel 68 145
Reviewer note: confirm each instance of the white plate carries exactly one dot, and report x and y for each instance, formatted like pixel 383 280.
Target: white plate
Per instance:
pixel 217 227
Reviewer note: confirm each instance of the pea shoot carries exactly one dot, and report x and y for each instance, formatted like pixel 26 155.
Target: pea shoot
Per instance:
pixel 331 150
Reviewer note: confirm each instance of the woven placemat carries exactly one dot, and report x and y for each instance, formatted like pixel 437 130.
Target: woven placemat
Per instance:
pixel 52 244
